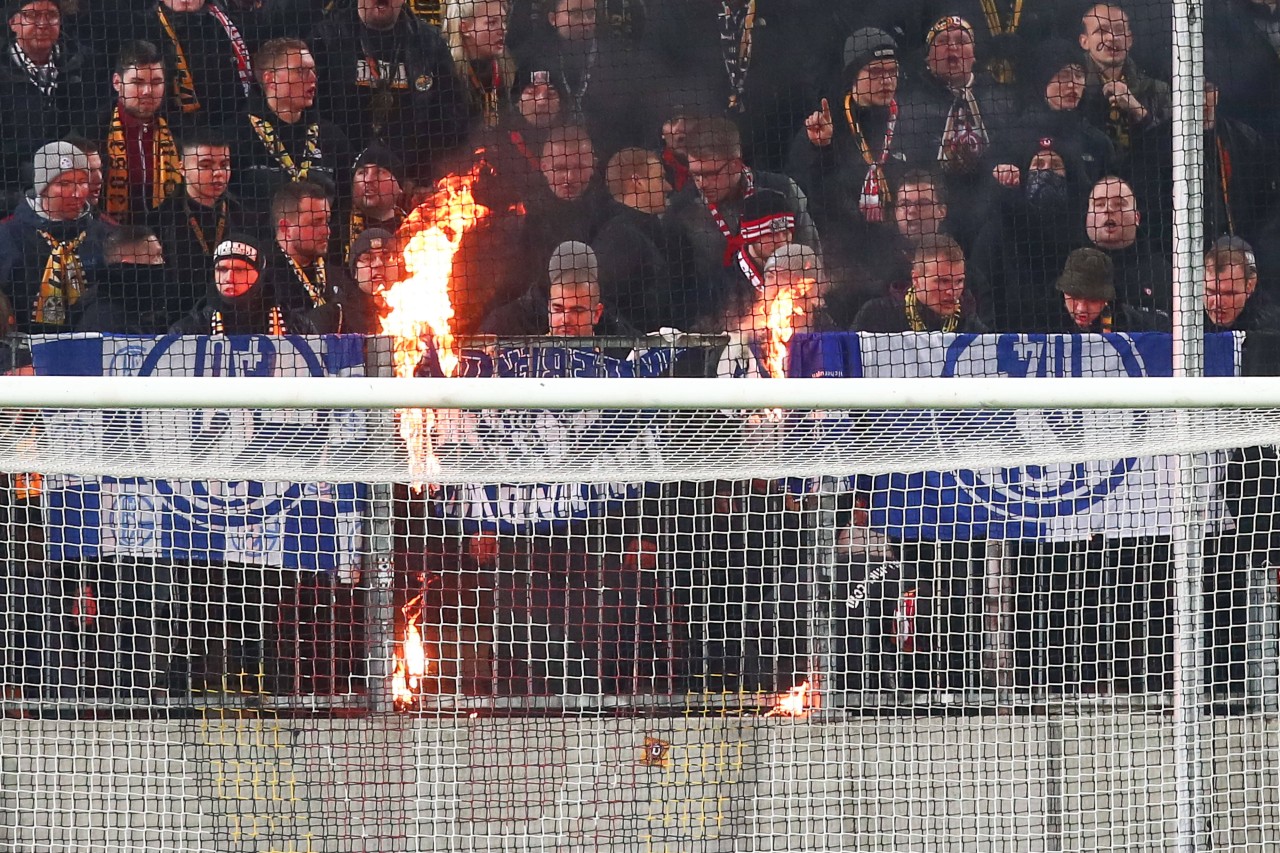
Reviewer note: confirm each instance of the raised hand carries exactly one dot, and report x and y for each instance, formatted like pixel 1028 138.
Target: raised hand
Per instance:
pixel 819 126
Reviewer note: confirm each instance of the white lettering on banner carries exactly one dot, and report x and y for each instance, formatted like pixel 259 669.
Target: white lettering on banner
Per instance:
pixel 241 521
pixel 535 503
pixel 1070 501
pixel 878 572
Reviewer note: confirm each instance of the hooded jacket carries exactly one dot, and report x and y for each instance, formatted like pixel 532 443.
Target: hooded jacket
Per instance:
pixel 248 314
pixel 132 299
pixel 889 314
pixel 689 212
pixel 33 118
pixel 256 174
pixel 1025 240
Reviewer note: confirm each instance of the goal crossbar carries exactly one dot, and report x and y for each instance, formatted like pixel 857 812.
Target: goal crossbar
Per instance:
pixel 171 392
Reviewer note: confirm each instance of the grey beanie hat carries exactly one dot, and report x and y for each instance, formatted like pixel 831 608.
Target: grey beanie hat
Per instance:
pixel 573 261
pixel 54 158
pixel 370 240
pixel 865 46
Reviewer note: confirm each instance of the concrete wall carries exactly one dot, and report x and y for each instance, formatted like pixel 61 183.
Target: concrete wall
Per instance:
pixel 704 785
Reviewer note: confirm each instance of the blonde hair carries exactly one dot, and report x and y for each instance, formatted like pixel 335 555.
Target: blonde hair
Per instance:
pixel 276 54
pixel 624 165
pixel 936 247
pixel 457 11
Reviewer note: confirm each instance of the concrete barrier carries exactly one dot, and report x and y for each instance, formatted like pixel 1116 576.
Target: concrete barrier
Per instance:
pixel 1082 782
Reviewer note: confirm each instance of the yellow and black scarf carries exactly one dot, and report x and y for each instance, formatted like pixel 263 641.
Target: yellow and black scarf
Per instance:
pixel 266 132
pixel 487 95
pixel 916 321
pixel 184 83
pixel 430 11
pixel 318 290
pixel 275 323
pixel 1001 68
pixel 165 166
pixel 358 223
pixel 736 26
pixel 219 229
pixel 63 281
pixel 876 195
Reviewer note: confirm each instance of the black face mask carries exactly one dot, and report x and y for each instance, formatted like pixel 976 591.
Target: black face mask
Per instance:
pixel 1046 189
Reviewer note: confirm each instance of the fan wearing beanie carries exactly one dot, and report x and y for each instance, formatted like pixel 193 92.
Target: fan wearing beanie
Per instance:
pixel 571 306
pixel 238 302
pixel 375 264
pixel 377 191
pixel 841 156
pixel 51 241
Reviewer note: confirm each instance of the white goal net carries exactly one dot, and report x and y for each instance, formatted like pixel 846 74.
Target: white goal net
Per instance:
pixel 641 627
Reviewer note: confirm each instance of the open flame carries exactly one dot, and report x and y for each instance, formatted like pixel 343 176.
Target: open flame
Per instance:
pixel 412 664
pixel 419 310
pixel 780 321
pixel 795 703
pixel 783 305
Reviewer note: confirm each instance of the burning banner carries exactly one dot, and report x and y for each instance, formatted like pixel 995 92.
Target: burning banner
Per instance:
pixel 412 663
pixel 419 312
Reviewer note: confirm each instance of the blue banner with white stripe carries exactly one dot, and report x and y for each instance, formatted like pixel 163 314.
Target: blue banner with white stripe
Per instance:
pixel 304 526
pixel 1055 501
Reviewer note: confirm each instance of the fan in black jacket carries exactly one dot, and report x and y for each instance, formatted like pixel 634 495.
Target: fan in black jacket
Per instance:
pixel 239 301
pixel 49 84
pixel 388 77
pixel 282 137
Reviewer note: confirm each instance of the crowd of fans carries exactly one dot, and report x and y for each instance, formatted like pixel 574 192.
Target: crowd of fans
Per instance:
pixel 997 165
pixel 246 167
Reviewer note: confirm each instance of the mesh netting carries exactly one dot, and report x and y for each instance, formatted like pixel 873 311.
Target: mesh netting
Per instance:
pixel 266 630
pixel 599 446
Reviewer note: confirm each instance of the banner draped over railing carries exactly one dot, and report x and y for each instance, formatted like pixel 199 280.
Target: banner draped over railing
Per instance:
pixel 316 525
pixel 1058 502
pixel 307 526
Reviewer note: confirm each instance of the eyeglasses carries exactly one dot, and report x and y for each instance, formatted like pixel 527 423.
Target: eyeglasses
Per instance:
pixel 31 16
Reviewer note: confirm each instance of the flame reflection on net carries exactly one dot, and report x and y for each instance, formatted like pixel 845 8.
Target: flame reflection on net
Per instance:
pixel 419 310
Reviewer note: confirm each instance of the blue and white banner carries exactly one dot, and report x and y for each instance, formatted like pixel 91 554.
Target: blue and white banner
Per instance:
pixel 1065 501
pixel 306 526
pixel 579 438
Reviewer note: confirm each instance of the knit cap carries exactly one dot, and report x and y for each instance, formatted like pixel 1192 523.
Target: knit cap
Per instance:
pixel 53 159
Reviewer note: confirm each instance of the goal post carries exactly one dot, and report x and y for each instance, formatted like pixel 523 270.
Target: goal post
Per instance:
pixel 775 614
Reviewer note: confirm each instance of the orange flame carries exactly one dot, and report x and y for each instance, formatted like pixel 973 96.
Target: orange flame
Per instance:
pixel 415 655
pixel 419 310
pixel 400 686
pixel 780 320
pixel 794 704
pixel 412 664
pixel 783 304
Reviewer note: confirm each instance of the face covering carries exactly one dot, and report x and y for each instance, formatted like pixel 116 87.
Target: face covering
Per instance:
pixel 1046 189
